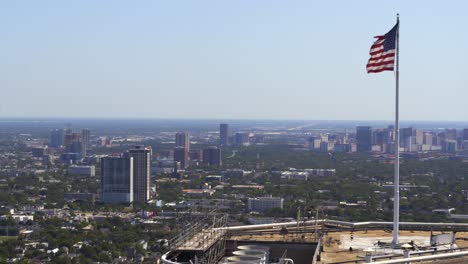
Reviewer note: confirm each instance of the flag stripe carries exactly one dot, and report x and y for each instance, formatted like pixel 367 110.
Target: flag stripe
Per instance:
pixel 382 56
pixel 382 68
pixel 381 64
pixel 382 53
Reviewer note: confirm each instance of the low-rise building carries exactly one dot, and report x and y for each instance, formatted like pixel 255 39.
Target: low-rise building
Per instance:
pixel 263 204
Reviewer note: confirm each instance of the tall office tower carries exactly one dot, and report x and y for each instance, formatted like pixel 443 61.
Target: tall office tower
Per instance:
pixel 242 139
pixel 464 138
pixel 314 143
pixel 427 138
pixel 451 133
pixel 324 137
pixel 465 134
pixel 364 138
pixel 117 179
pixel 436 139
pixel 391 133
pixel 212 156
pixel 141 172
pixel 406 135
pixel 85 135
pixel 183 140
pixel 224 134
pixel 56 138
pixel 181 155
pixel 418 137
pixel 450 146
pixel 74 144
pixel 324 146
pixel 71 137
pixel 76 147
pixel 196 154
pixel 381 137
pixel 345 139
pixel 67 138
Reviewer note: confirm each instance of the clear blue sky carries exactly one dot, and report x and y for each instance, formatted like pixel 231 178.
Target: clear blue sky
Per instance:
pixel 230 59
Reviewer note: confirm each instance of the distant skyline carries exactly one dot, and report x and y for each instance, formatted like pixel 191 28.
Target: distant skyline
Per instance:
pixel 266 59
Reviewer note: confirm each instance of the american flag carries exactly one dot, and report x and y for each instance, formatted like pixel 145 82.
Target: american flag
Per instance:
pixel 383 52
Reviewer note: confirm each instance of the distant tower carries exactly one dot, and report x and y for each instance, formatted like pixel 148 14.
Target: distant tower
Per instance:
pixel 364 138
pixel 465 134
pixel 451 133
pixel 242 139
pixel 465 138
pixel 406 138
pixel 117 179
pixel 141 172
pixel 73 143
pixel 85 134
pixel 418 136
pixel 212 156
pixel 183 140
pixel 314 142
pixel 56 138
pixel 181 155
pixel 224 134
pixel 427 138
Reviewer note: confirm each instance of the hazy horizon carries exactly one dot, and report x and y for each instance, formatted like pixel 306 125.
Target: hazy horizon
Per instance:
pixel 217 121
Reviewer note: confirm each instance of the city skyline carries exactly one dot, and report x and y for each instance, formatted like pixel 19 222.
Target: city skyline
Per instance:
pixel 262 60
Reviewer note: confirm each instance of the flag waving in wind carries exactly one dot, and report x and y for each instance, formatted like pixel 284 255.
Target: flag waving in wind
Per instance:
pixel 383 52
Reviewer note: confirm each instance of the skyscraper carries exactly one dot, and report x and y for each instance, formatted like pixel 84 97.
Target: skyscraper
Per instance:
pixel 183 140
pixel 241 139
pixel 141 172
pixel 224 134
pixel 418 136
pixel 314 142
pixel 181 155
pixel 117 179
pixel 212 156
pixel 71 137
pixel 196 154
pixel 465 139
pixel 427 138
pixel 363 138
pixel 381 137
pixel 465 134
pixel 451 133
pixel 56 138
pixel 74 144
pixel 406 138
pixel 85 134
pixel 76 147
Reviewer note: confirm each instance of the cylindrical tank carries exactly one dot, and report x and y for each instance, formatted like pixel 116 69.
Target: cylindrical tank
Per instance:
pixel 249 259
pixel 254 247
pixel 257 248
pixel 253 253
pixel 248 252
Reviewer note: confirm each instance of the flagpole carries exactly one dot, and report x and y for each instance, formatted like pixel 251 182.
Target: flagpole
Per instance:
pixel 396 182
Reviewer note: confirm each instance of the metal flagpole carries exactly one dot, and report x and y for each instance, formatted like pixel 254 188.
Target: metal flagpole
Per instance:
pixel 396 182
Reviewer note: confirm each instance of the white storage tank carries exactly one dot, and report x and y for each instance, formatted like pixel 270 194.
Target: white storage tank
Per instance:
pixel 249 259
pixel 264 249
pixel 252 253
